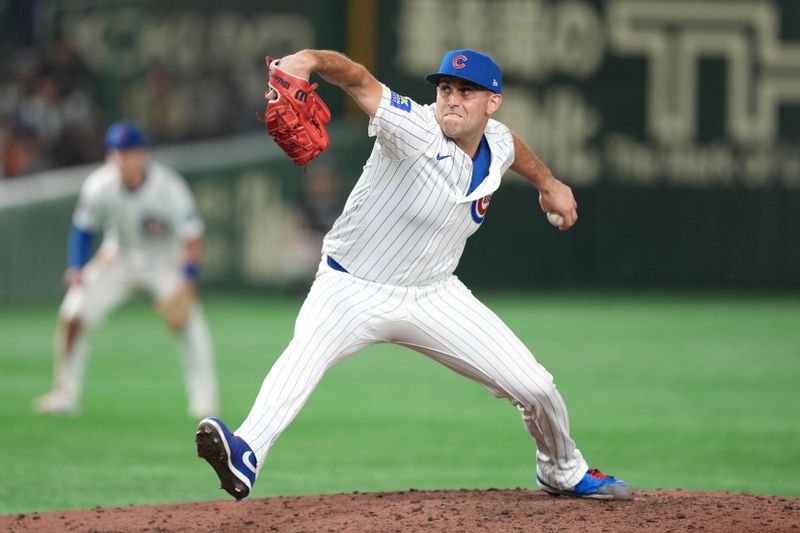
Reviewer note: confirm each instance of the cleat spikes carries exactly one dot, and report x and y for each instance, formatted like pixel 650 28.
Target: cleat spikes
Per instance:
pixel 230 457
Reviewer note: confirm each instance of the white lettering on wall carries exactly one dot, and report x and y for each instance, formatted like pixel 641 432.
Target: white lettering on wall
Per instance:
pixel 763 72
pixel 128 40
pixel 531 39
pixel 559 125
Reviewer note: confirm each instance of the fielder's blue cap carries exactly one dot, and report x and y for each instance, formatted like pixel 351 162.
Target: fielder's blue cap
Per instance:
pixel 124 135
pixel 472 66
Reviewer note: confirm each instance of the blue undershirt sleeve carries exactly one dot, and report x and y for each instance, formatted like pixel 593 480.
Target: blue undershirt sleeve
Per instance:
pixel 80 247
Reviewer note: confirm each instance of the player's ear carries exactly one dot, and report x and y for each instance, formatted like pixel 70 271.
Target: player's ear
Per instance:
pixel 494 103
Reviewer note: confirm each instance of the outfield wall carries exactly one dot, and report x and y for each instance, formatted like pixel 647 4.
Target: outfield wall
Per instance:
pixel 677 124
pixel 248 194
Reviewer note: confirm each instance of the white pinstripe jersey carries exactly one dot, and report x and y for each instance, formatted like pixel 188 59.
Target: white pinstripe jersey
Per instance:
pixel 409 215
pixel 147 224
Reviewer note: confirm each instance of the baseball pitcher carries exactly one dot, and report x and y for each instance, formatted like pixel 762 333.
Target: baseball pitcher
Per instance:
pixel 152 236
pixel 386 273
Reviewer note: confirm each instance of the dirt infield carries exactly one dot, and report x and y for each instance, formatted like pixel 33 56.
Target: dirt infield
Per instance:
pixel 463 511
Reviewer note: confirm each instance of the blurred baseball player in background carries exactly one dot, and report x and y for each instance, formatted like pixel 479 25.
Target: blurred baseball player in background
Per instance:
pixel 386 273
pixel 152 241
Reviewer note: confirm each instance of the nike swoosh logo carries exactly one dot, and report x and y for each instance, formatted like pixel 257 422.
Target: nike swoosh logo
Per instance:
pixel 247 459
pixel 439 157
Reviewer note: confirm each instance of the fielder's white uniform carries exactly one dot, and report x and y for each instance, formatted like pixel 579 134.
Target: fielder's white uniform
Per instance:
pixel 145 231
pixel 400 238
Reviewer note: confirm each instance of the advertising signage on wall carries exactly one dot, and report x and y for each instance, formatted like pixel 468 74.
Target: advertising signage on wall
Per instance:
pixel 128 39
pixel 166 64
pixel 698 93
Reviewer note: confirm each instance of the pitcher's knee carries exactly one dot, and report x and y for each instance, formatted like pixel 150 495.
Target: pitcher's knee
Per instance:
pixel 543 393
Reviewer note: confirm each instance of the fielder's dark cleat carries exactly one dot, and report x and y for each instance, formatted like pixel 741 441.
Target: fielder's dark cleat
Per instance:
pixel 230 457
pixel 595 485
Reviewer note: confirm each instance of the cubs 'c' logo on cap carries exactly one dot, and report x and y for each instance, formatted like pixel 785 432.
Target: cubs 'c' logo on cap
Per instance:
pixel 479 208
pixel 459 60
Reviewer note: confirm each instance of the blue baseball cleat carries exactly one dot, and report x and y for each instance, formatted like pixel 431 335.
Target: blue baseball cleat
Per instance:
pixel 595 485
pixel 230 457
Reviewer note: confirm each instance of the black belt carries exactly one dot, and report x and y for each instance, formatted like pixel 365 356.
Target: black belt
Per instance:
pixel 334 265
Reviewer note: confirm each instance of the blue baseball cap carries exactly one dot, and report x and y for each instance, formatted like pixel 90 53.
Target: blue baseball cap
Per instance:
pixel 124 135
pixel 472 66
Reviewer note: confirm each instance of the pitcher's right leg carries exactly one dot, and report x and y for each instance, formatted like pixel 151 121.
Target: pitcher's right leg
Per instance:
pixel 456 329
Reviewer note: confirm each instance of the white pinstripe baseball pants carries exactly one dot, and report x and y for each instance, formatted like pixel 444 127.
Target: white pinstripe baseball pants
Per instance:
pixel 343 314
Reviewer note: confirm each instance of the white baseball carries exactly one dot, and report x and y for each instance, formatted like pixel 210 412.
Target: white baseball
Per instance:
pixel 555 219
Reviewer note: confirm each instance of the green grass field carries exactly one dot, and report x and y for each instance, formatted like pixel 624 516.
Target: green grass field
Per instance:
pixel 687 391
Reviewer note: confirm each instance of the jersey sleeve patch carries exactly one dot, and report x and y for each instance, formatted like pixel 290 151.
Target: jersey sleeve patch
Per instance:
pixel 400 102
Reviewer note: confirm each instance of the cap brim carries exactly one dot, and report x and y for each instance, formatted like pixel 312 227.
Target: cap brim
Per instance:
pixel 434 78
pixel 131 147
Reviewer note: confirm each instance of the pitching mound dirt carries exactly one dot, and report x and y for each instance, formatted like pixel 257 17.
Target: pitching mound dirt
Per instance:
pixel 463 511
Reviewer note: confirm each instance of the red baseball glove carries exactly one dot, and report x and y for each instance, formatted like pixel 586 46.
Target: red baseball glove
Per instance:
pixel 296 118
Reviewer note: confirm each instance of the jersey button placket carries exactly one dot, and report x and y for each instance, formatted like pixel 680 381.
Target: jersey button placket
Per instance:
pixel 466 176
